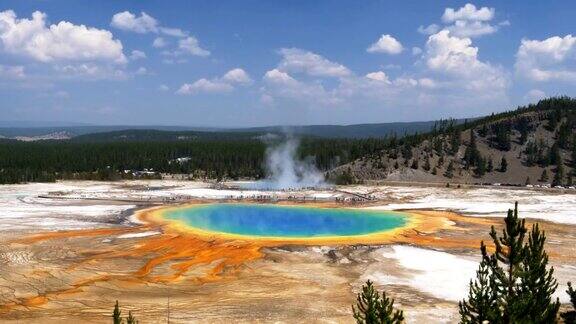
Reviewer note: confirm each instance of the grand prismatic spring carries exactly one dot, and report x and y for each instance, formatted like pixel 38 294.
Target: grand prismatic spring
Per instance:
pixel 292 222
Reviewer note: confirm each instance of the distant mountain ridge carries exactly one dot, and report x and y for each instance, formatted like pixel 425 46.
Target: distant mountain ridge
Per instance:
pixel 378 130
pixel 350 131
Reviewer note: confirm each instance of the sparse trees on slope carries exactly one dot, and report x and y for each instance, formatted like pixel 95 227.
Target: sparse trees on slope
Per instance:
pixel 373 309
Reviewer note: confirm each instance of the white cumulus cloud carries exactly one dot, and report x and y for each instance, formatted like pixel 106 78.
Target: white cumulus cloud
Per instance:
pixel 468 12
pixel 136 55
pixel 457 59
pixel 429 30
pixel 301 61
pixel 238 76
pixel 159 42
pixel 191 46
pixel 58 42
pixel 378 76
pixel 386 44
pixel 206 86
pixel 544 60
pixel 145 23
pixel 467 21
pixel 224 84
pixel 130 22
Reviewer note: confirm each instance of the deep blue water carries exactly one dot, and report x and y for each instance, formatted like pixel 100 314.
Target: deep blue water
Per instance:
pixel 286 221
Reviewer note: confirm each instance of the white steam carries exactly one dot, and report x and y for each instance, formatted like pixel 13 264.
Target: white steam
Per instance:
pixel 286 171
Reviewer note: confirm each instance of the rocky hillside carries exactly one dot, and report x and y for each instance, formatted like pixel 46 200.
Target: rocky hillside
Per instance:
pixel 532 145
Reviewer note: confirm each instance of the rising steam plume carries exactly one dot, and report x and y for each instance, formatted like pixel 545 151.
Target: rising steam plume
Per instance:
pixel 285 170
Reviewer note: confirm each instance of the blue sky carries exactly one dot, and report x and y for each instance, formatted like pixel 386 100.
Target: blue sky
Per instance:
pixel 247 63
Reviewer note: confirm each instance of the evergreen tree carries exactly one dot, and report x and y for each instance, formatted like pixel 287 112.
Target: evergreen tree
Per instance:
pixel 503 165
pixel 501 138
pixel 414 164
pixel 407 151
pixel 514 284
pixel 373 309
pixel 572 293
pixel 532 153
pixel 440 161
pixel 536 282
pixel 455 142
pixel 471 154
pixel 480 167
pixel 426 165
pixel 570 316
pixel 573 155
pixel 131 319
pixel 490 166
pixel 482 303
pixel 554 155
pixel 544 176
pixel 509 251
pixel 449 170
pixel 117 314
pixel 563 135
pixel 558 176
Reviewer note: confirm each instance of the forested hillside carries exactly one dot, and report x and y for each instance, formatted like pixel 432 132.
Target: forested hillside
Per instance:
pixel 532 145
pixel 130 154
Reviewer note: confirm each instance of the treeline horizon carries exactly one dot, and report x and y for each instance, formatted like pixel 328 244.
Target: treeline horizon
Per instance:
pixel 219 156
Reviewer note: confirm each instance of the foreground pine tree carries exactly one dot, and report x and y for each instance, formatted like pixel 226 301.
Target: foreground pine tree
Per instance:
pixel 510 253
pixel 514 284
pixel 373 309
pixel 537 282
pixel 570 316
pixel 117 314
pixel 482 303
pixel 131 319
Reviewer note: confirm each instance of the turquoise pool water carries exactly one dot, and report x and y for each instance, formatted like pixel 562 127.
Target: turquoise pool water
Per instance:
pixel 285 221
